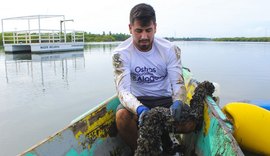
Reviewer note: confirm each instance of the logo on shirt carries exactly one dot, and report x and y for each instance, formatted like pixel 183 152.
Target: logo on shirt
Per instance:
pixel 146 75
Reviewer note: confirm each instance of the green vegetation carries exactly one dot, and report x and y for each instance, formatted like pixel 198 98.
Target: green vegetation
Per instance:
pixel 110 37
pixel 244 39
pixel 232 39
pixel 188 39
pixel 88 37
pixel 1 40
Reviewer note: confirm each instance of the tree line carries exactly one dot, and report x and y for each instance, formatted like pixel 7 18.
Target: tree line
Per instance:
pixel 89 37
pixel 244 39
pixel 188 39
pixel 231 39
pixel 110 37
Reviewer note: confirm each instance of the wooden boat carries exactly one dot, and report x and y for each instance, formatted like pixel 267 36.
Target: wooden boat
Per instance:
pixel 94 133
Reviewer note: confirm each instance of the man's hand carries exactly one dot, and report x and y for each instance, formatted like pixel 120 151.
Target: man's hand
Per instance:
pixel 176 109
pixel 141 111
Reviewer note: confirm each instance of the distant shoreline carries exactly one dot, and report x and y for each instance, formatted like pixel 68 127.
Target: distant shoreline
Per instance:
pixel 111 37
pixel 229 39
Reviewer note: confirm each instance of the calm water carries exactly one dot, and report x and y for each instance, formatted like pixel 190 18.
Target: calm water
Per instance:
pixel 41 94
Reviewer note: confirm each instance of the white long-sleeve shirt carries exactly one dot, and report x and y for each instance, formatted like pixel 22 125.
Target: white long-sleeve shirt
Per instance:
pixel 155 73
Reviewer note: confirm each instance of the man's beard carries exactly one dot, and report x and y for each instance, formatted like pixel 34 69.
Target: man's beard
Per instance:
pixel 145 47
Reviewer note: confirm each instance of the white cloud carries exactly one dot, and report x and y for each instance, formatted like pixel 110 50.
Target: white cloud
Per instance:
pixel 179 18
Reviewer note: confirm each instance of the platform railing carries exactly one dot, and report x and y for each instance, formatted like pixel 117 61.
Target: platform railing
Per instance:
pixel 42 36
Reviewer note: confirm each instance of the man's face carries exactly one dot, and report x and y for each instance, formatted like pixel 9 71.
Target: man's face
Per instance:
pixel 143 36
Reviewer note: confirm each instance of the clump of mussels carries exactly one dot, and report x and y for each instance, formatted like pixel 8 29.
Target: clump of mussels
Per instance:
pixel 159 121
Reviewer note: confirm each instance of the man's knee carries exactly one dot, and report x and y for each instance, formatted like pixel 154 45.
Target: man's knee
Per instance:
pixel 125 118
pixel 123 114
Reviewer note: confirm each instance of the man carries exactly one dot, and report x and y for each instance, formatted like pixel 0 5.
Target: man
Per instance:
pixel 148 73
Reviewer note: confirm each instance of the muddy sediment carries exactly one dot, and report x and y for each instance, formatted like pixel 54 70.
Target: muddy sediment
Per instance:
pixel 158 121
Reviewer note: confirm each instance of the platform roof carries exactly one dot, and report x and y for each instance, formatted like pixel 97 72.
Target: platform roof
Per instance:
pixel 33 17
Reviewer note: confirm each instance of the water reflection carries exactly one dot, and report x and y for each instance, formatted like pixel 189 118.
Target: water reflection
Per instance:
pixel 101 46
pixel 17 65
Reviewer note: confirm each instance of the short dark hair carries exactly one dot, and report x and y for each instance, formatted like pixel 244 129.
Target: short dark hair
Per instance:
pixel 145 13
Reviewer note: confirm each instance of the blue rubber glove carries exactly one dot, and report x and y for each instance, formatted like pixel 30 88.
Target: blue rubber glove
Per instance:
pixel 176 109
pixel 141 111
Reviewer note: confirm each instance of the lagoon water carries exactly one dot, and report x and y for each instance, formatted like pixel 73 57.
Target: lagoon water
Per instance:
pixel 41 93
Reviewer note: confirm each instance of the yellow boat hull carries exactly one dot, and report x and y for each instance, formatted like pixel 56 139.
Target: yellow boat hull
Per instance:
pixel 251 126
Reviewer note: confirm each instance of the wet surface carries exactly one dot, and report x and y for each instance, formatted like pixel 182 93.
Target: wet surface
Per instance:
pixel 158 122
pixel 66 96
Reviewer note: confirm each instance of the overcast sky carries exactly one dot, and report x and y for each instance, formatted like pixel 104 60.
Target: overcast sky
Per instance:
pixel 175 18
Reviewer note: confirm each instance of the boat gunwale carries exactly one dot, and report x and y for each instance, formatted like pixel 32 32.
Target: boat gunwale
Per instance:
pixel 74 121
pixel 224 122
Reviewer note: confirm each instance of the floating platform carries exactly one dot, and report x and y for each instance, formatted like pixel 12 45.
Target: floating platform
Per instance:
pixel 29 35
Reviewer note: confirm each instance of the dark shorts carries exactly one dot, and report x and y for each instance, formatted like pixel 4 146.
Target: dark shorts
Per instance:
pixel 152 102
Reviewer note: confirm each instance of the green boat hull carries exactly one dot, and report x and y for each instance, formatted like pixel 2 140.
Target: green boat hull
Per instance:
pixel 215 137
pixel 95 133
